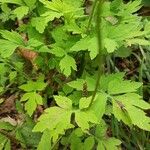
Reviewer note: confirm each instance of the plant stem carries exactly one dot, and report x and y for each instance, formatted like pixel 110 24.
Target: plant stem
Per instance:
pixel 92 14
pixel 100 55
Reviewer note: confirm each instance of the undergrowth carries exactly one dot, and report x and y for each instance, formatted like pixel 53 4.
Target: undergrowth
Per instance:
pixel 60 60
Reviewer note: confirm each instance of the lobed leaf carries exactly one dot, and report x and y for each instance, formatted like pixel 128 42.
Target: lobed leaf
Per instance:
pixel 66 64
pixel 21 11
pixel 33 100
pixel 83 118
pixel 63 102
pixel 7 48
pixel 56 119
pixel 119 87
pixel 33 86
pixel 132 109
pixel 19 2
pixel 12 37
pixel 45 142
pixel 84 102
pixel 107 144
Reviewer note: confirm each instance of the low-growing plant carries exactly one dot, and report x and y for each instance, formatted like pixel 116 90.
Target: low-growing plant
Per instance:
pixel 56 56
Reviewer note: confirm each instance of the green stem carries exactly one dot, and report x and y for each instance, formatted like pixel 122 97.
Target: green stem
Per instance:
pixel 92 14
pixel 100 56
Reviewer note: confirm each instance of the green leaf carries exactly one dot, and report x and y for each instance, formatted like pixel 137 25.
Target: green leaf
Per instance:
pixel 60 35
pixel 56 119
pixel 57 51
pixel 19 2
pixel 33 86
pixel 67 89
pixel 99 105
pixel 7 48
pixel 101 129
pixel 110 45
pixel 21 11
pixel 81 44
pixel 142 121
pixel 75 97
pixel 134 6
pixel 77 4
pixel 133 105
pixel 93 47
pixel 121 114
pixel 25 135
pixel 34 43
pixel 30 3
pixel 45 142
pixel 78 84
pixel 66 64
pixel 5 8
pixel 89 143
pixel 109 143
pixel 40 23
pixel 137 41
pixel 12 36
pixel 63 102
pixel 116 4
pixel 12 75
pixel 74 28
pixel 105 80
pixel 44 49
pixel 78 132
pixel 51 15
pixel 119 87
pixel 135 100
pixel 125 31
pixel 83 118
pixel 87 43
pixel 123 52
pixel 34 34
pixel 33 99
pixel 75 142
pixel 84 102
pixel 100 146
pixel 61 6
